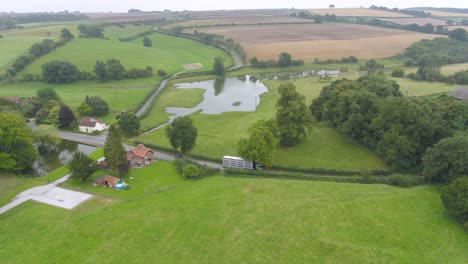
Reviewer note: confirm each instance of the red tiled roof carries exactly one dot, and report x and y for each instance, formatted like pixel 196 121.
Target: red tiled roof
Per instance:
pixel 88 121
pixel 111 179
pixel 140 151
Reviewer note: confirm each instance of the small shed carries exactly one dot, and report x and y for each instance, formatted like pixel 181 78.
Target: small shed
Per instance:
pixel 460 94
pixel 106 181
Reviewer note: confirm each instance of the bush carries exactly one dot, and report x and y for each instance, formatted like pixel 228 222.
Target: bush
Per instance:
pixel 403 180
pixel 398 72
pixel 190 171
pixel 409 63
pixel 455 198
pixel 203 170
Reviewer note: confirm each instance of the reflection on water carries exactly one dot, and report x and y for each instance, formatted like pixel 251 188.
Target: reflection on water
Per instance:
pixel 50 161
pixel 223 95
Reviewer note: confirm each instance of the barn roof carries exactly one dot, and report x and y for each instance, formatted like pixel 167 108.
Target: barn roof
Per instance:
pixel 461 93
pixel 140 151
pixel 88 121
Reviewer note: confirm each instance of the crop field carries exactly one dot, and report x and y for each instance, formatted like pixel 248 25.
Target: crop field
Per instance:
pixel 124 17
pixel 417 20
pixel 237 220
pixel 453 68
pixel 237 21
pixel 51 31
pixel 446 14
pixel 326 41
pixel 455 27
pixel 165 54
pixel 323 147
pixel 244 13
pixel 357 12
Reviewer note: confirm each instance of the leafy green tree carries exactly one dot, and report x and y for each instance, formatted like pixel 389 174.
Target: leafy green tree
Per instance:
pixel 114 151
pixel 284 59
pixel 84 109
pixel 129 124
pixel 81 167
pixel 447 159
pixel 91 31
pixel 147 42
pixel 66 34
pixel 99 107
pixel 182 133
pixel 114 70
pixel 372 66
pixel 398 72
pixel 260 145
pixel 459 34
pixel 46 138
pixel 455 198
pixel 66 117
pixel 17 152
pixel 292 115
pixel 218 66
pixel 60 72
pixel 100 70
pixel 47 93
pixel 191 171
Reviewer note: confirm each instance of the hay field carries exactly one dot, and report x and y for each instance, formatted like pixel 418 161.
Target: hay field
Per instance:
pixel 357 12
pixel 237 21
pixel 417 20
pixel 327 41
pixel 446 14
pixel 455 27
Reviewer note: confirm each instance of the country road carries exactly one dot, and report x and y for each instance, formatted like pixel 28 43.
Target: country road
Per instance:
pixel 99 140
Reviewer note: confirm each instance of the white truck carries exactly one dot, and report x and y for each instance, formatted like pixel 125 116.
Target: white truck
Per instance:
pixel 238 163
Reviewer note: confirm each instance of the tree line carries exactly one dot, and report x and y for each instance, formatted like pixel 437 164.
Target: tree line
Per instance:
pixel 37 50
pixel 11 21
pixel 284 60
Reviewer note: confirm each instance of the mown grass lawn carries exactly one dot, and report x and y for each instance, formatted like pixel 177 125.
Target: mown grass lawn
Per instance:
pixel 323 147
pixel 165 54
pixel 241 220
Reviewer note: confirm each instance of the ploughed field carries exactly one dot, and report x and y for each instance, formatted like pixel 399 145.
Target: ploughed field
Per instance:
pixel 236 220
pixel 323 41
pixel 357 12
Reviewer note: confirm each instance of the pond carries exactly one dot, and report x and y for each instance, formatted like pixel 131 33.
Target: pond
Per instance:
pixel 240 94
pixel 50 161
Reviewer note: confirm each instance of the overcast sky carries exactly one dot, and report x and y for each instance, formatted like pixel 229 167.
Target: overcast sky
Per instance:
pixel 157 5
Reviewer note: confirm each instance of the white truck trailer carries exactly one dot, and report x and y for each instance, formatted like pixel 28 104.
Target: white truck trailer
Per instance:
pixel 238 163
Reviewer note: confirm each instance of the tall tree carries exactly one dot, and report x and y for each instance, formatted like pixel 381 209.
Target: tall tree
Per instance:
pixel 218 66
pixel 147 42
pixel 182 133
pixel 129 124
pixel 66 117
pixel 115 152
pixel 46 94
pixel 46 138
pixel 99 107
pixel 17 152
pixel 447 159
pixel 260 145
pixel 60 72
pixel 455 198
pixel 292 115
pixel 100 70
pixel 114 70
pixel 284 59
pixel 81 166
pixel 66 34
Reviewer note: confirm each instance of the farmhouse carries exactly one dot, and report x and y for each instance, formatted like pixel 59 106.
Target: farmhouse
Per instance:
pixel 106 181
pixel 140 156
pixel 460 94
pixel 89 124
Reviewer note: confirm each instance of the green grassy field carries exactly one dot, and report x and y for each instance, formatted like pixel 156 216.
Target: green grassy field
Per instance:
pixel 41 32
pixel 115 32
pixel 418 88
pixel 120 96
pixel 171 97
pixel 238 220
pixel 323 147
pixel 165 54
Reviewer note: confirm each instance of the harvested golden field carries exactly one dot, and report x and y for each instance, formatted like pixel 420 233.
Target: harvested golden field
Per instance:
pixel 446 14
pixel 417 20
pixel 455 27
pixel 357 12
pixel 238 21
pixel 325 41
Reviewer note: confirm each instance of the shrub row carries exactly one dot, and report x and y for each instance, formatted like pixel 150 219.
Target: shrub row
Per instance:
pixel 338 172
pixel 192 169
pixel 136 36
pixel 395 180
